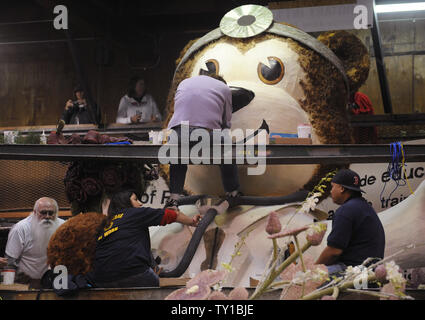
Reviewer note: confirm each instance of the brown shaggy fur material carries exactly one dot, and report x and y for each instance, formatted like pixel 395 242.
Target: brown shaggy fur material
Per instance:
pixel 353 54
pixel 74 243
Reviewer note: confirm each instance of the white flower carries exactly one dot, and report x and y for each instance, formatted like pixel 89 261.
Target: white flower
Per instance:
pixel 310 203
pixel 320 275
pixel 193 289
pixel 301 277
pixel 394 276
pixel 305 208
pixel 354 271
pixel 317 275
pixel 217 287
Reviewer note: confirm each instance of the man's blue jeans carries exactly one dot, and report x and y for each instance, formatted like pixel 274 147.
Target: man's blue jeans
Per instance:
pixel 336 268
pixel 229 172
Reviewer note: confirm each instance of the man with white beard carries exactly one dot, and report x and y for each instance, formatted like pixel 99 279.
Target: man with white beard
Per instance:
pixel 26 247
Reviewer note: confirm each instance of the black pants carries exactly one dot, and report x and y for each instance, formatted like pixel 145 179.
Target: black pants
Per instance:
pixel 144 279
pixel 229 172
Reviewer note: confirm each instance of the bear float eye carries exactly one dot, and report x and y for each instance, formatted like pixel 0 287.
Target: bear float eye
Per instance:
pixel 271 74
pixel 212 67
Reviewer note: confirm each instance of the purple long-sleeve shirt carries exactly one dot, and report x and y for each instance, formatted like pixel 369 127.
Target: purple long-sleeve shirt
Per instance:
pixel 203 102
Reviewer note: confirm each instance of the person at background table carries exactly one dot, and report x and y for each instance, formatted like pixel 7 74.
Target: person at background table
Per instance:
pixel 76 111
pixel 360 104
pixel 26 248
pixel 137 106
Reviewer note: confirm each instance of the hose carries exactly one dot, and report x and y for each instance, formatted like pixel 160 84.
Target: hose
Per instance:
pixel 212 213
pixel 268 201
pixel 189 200
pixel 194 242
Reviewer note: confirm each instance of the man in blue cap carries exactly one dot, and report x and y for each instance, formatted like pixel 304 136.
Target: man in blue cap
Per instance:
pixel 357 233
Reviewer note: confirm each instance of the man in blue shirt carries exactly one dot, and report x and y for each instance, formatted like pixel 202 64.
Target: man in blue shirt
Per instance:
pixel 357 233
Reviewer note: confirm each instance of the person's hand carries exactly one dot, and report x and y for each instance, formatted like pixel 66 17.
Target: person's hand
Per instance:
pixel 136 118
pixel 195 220
pixel 3 262
pixel 69 104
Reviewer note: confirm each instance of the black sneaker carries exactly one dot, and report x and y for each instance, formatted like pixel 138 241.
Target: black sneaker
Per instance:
pixel 232 198
pixel 232 195
pixel 171 203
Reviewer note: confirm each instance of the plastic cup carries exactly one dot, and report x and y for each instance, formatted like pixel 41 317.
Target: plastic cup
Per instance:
pixel 155 137
pixel 304 131
pixel 8 276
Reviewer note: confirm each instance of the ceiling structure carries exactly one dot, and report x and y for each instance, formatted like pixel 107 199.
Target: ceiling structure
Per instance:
pixel 123 20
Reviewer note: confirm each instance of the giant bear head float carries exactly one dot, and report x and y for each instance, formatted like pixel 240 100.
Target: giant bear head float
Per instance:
pixel 296 79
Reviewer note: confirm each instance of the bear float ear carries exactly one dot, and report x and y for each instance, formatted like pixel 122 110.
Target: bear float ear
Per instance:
pixel 352 53
pixel 184 50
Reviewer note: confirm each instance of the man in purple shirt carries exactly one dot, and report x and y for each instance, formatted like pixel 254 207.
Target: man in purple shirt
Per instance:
pixel 203 101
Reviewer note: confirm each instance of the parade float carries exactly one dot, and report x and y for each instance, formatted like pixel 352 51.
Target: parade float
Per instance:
pixel 294 79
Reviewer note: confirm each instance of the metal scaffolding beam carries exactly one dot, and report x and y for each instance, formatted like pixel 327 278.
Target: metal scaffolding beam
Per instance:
pixel 274 154
pixel 82 129
pixel 387 120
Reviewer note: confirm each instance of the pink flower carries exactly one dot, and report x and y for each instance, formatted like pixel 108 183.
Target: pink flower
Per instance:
pixel 192 293
pixel 381 273
pixel 295 291
pixel 239 294
pixel 75 192
pixel 207 278
pixel 92 137
pixel 273 223
pixel 316 233
pixel 104 139
pixel 91 186
pixel 199 288
pixel 288 232
pixel 217 295
pixel 418 277
pixel 75 139
pixel 113 178
pixel 318 270
pixel 73 172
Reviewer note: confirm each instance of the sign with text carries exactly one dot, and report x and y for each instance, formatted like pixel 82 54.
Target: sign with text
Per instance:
pixel 382 191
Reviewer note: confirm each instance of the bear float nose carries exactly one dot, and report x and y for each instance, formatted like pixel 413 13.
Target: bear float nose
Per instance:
pixel 241 97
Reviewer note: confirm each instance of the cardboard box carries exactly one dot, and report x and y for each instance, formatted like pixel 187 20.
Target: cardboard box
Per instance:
pixel 290 141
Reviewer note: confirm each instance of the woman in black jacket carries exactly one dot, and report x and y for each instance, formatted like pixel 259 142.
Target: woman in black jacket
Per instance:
pixel 123 255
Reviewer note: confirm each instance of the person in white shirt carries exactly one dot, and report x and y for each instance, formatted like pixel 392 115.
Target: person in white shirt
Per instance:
pixel 26 248
pixel 137 106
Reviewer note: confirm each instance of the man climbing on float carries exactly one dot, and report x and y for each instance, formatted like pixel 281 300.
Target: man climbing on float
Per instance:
pixel 204 102
pixel 357 232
